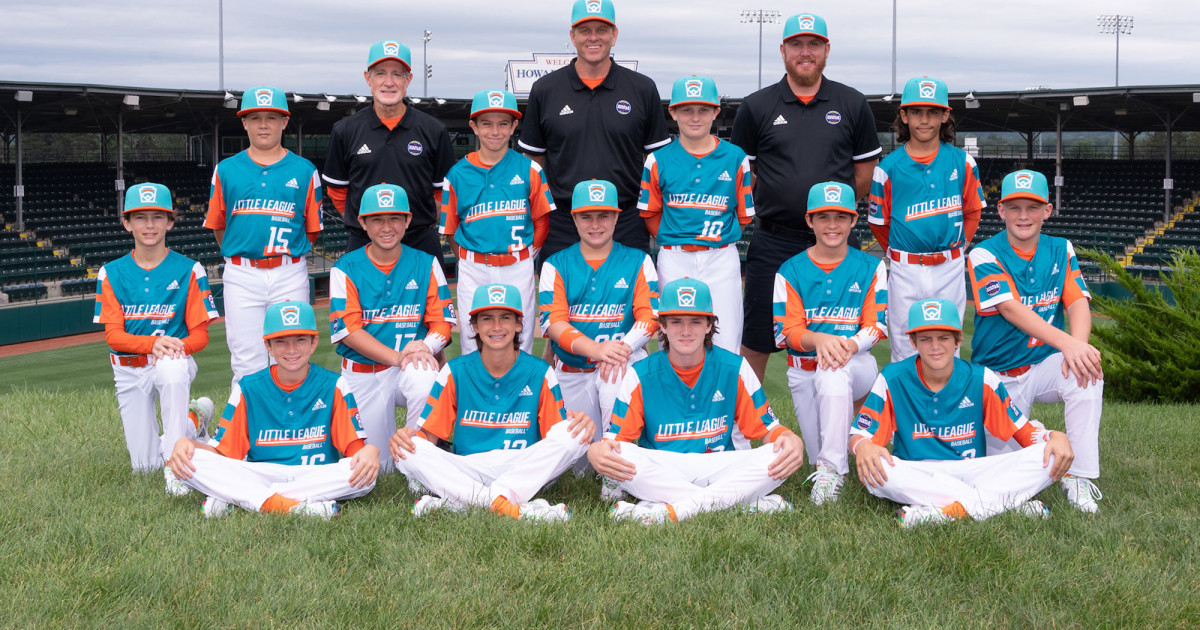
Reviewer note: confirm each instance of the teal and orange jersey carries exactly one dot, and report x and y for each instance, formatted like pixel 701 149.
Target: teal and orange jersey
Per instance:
pixel 690 199
pixel 484 413
pixel 615 299
pixel 407 301
pixel 924 205
pixel 309 423
pixel 1046 280
pixel 948 424
pixel 493 209
pixel 265 211
pixel 847 299
pixel 718 405
pixel 169 300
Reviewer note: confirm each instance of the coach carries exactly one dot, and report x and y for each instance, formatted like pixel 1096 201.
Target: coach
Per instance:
pixel 389 142
pixel 803 130
pixel 593 119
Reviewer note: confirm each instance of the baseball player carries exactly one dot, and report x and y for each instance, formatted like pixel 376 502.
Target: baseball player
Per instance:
pixel 289 439
pixel 934 409
pixel 503 407
pixel 389 313
pixel 1027 285
pixel 155 305
pixel 925 204
pixel 265 212
pixel 695 198
pixel 683 421
pixel 495 207
pixel 830 305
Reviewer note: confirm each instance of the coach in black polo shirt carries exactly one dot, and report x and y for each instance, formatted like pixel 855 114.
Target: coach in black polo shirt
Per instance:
pixel 593 119
pixel 389 142
pixel 801 131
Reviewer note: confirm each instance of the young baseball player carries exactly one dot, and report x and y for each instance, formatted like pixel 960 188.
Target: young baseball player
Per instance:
pixel 925 204
pixel 696 197
pixel 599 301
pixel 934 409
pixel 683 421
pixel 155 305
pixel 265 212
pixel 390 313
pixel 505 412
pixel 495 211
pixel 289 440
pixel 830 304
pixel 1027 285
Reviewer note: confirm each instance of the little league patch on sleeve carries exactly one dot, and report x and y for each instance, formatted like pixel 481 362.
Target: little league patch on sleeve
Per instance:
pixel 864 421
pixel 992 288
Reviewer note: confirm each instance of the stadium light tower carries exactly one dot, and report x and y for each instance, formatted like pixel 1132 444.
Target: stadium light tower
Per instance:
pixel 221 45
pixel 760 16
pixel 1115 25
pixel 425 59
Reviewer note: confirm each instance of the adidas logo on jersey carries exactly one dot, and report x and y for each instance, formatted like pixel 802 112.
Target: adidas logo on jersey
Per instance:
pixel 525 391
pixel 966 403
pixel 363 150
pixel 1055 270
pixel 320 404
pixel 412 284
pixel 292 183
pixel 717 397
pixel 954 175
pixel 621 284
pixel 854 288
pixel 724 177
pixel 566 110
pixel 174 285
pixel 516 181
pixel 780 120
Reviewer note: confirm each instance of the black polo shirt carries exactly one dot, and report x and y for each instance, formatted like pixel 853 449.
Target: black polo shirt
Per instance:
pixel 416 156
pixel 794 146
pixel 603 133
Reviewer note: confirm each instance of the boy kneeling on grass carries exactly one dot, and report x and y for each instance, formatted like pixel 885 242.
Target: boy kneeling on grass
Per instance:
pixel 289 439
pixel 935 408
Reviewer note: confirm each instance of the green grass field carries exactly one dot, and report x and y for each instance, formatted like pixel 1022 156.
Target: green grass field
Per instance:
pixel 86 543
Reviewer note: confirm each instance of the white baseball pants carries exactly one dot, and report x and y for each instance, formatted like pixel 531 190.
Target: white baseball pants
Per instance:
pixel 476 480
pixel 824 402
pixel 587 392
pixel 248 292
pixel 985 486
pixel 721 269
pixel 472 275
pixel 377 396
pixel 249 484
pixel 167 381
pixel 910 282
pixel 1082 407
pixel 700 482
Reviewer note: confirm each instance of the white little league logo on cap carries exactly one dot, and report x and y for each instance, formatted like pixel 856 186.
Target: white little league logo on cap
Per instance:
pixel 807 23
pixel 262 96
pixel 932 311
pixel 495 99
pixel 147 194
pixel 391 48
pixel 386 198
pixel 833 193
pixel 415 147
pixel 290 315
pixel 1023 180
pixel 593 6
pixel 692 88
pixel 596 192
pixel 496 295
pixel 927 89
pixel 687 296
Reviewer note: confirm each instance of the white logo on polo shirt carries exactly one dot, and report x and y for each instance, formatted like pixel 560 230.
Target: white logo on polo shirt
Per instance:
pixel 780 120
pixel 566 110
pixel 363 150
pixel 516 181
pixel 724 177
pixel 292 183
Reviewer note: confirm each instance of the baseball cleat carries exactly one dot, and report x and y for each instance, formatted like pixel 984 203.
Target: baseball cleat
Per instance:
pixel 827 485
pixel 610 491
pixel 324 510
pixel 416 487
pixel 646 512
pixel 540 510
pixel 203 408
pixel 1034 509
pixel 426 504
pixel 1082 493
pixel 621 510
pixel 175 486
pixel 911 516
pixel 215 508
pixel 768 505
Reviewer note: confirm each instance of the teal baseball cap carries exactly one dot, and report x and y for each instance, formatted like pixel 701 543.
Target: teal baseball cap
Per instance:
pixel 925 91
pixel 594 194
pixel 148 196
pixel 494 101
pixel 289 318
pixel 831 196
pixel 694 90
pixel 264 99
pixel 584 10
pixel 685 296
pixel 502 296
pixel 933 314
pixel 805 24
pixel 389 49
pixel 1025 184
pixel 383 199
